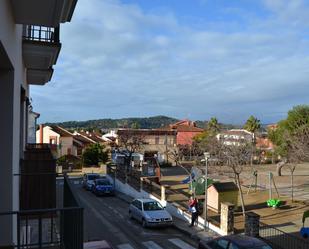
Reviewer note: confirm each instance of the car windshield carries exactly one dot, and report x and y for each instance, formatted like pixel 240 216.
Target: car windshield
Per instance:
pixel 92 177
pixel 152 206
pixel 103 182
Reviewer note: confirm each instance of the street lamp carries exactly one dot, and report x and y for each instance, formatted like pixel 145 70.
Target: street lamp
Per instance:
pixel 206 156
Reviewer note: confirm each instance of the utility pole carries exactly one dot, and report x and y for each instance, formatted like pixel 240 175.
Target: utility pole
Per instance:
pixel 206 156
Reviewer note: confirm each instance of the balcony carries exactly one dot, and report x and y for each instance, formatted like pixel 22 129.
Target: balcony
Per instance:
pixel 41 48
pixel 48 13
pixel 54 228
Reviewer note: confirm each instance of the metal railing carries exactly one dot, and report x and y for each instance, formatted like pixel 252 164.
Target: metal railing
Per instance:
pixel 55 227
pixel 280 239
pixel 41 33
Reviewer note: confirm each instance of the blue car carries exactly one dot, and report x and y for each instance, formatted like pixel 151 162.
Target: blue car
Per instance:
pixel 103 187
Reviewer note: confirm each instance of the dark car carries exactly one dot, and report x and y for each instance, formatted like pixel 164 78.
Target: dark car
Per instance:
pixel 102 186
pixel 234 242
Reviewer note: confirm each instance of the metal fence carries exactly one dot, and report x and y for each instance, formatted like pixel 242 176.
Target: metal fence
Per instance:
pixel 55 227
pixel 280 239
pixel 41 33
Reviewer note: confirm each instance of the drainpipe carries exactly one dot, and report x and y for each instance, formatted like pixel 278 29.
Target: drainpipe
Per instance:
pixel 41 134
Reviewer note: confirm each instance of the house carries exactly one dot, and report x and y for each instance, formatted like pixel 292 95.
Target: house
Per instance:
pixel 186 131
pixel 235 137
pixel 64 142
pixel 29 48
pixel 151 141
pixel 219 192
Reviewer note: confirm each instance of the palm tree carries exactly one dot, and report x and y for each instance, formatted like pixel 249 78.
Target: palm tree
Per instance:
pixel 213 125
pixel 253 124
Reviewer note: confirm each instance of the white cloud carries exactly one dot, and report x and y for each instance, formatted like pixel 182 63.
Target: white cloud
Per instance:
pixel 118 60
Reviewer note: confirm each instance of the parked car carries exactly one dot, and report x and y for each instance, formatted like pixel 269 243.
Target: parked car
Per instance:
pixel 150 213
pixel 234 242
pixel 88 180
pixel 102 244
pixel 102 186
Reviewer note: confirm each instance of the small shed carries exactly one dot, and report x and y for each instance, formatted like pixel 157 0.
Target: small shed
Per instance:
pixel 220 192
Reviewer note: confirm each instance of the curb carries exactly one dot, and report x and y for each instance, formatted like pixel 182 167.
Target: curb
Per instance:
pixel 186 232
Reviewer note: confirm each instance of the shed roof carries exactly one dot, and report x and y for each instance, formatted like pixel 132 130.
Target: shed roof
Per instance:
pixel 225 186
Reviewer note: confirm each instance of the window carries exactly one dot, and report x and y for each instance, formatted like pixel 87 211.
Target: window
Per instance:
pixel 152 206
pixel 222 243
pixel 137 204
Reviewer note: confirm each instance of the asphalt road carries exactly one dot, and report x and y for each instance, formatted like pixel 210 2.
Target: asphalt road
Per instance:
pixel 106 218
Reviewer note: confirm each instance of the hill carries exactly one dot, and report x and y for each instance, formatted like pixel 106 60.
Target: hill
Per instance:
pixel 143 123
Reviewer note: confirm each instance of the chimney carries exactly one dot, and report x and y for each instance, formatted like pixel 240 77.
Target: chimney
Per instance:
pixel 41 133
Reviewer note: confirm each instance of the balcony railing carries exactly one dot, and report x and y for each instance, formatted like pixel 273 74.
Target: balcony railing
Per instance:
pixel 49 228
pixel 40 33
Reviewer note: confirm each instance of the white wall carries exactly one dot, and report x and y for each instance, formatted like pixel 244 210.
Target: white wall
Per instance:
pixel 172 208
pixel 10 89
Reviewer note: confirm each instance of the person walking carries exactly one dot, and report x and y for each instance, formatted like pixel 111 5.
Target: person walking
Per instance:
pixel 193 208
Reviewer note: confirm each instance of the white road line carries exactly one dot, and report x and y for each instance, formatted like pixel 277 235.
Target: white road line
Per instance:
pixel 181 244
pixel 151 245
pixel 125 246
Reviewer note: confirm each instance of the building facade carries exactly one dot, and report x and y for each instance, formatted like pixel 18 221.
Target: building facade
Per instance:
pixel 150 141
pixel 29 47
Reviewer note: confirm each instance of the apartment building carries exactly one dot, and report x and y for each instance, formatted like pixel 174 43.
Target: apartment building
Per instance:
pixel 29 47
pixel 148 141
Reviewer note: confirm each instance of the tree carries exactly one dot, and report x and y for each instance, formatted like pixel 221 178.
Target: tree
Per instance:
pixel 236 158
pixel 252 125
pixel 95 154
pixel 291 138
pixel 131 140
pixel 213 126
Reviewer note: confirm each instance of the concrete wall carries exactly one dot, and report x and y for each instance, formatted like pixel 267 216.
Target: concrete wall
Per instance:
pixel 12 80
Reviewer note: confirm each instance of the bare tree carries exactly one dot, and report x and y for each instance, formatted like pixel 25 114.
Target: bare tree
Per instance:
pixel 131 140
pixel 297 151
pixel 236 157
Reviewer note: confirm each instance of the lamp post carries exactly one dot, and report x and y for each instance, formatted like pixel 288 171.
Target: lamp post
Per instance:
pixel 206 156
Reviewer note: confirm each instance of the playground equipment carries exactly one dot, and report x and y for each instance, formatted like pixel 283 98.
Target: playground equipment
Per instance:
pixel 304 231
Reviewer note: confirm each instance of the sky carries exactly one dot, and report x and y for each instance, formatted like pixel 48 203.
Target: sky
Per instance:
pixel 192 59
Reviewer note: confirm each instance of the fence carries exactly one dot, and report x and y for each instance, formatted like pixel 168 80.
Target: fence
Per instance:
pixel 55 227
pixel 280 239
pixel 40 33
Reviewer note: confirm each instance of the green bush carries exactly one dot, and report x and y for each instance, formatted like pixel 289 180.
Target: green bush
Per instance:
pixel 95 154
pixel 67 161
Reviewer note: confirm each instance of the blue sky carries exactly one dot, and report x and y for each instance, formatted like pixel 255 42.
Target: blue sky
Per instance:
pixel 182 58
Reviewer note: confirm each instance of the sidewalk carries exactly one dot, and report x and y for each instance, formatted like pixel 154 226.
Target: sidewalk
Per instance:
pixel 181 225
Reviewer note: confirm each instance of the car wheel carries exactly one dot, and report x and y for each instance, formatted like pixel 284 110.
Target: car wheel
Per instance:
pixel 144 223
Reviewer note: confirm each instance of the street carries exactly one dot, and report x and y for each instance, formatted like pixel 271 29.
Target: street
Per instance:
pixel 106 218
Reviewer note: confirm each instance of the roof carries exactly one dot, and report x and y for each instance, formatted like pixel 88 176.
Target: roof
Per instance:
pixel 144 132
pixel 145 199
pixel 61 131
pixel 83 139
pixel 236 132
pixel 187 128
pixel 225 186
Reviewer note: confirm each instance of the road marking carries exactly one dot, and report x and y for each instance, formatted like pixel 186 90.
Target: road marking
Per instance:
pixel 181 244
pixel 151 245
pixel 125 246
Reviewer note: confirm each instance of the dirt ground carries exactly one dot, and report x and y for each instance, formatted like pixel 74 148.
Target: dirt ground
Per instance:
pixel 288 216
